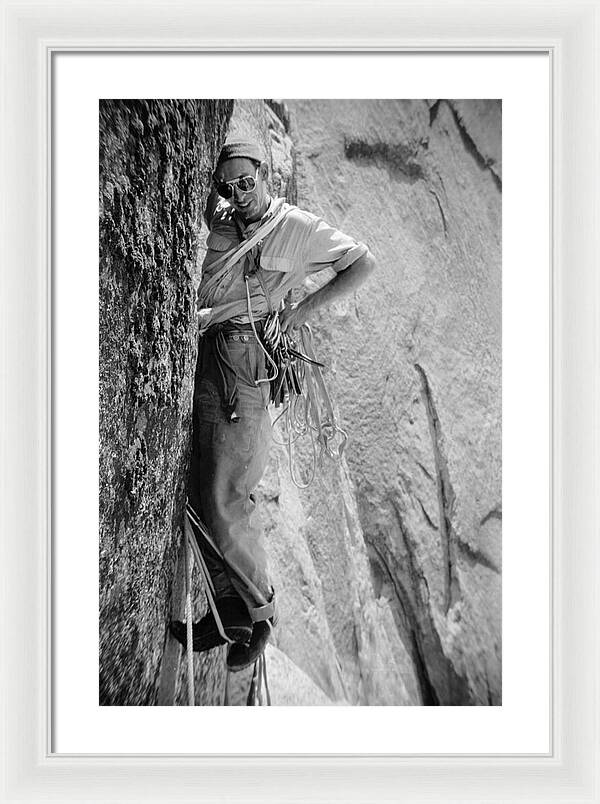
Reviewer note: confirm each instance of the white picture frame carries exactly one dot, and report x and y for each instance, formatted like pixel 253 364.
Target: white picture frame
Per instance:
pixel 570 33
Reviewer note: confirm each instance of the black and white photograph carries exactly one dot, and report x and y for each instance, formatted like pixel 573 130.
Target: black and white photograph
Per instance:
pixel 300 336
pixel 300 402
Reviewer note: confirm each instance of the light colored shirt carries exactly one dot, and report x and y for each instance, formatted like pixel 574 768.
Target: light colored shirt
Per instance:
pixel 300 245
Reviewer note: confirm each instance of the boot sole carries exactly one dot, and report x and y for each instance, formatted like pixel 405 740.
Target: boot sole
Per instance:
pixel 214 639
pixel 239 667
pixel 236 634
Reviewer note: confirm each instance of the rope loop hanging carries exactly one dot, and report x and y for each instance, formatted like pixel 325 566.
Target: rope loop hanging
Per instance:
pixel 299 388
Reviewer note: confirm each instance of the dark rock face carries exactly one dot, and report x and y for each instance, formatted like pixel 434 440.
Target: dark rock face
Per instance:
pixel 156 159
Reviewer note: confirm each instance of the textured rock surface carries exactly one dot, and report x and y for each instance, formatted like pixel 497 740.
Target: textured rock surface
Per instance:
pixel 415 370
pixel 388 567
pixel 156 158
pixel 331 625
pixel 416 366
pixel 288 684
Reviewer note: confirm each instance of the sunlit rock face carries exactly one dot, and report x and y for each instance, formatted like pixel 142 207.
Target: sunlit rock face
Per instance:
pixel 415 361
pixel 388 566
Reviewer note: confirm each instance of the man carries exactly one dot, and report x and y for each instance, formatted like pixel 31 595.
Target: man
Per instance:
pixel 259 249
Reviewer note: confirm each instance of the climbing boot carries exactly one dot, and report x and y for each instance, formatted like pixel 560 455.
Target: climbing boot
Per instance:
pixel 236 624
pixel 240 656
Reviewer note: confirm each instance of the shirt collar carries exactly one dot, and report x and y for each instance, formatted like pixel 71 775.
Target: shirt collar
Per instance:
pixel 274 205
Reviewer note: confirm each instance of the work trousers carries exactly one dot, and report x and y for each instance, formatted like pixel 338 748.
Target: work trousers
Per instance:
pixel 229 457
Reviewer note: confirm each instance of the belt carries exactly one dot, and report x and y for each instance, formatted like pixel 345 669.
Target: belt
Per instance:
pixel 238 336
pixel 235 332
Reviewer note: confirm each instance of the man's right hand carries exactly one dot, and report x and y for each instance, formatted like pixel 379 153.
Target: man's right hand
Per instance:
pixel 293 317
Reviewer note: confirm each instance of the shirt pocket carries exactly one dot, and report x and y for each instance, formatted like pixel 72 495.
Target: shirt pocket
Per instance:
pixel 273 262
pixel 218 242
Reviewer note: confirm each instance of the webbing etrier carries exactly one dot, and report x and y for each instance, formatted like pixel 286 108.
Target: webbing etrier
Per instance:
pixel 193 553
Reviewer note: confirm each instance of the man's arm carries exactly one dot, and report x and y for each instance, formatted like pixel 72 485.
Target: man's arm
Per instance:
pixel 342 284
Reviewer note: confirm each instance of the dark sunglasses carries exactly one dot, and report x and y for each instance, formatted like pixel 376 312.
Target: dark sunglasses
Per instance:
pixel 245 183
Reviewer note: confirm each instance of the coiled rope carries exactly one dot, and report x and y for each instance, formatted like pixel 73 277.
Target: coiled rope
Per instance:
pixel 301 390
pixel 296 381
pixel 259 684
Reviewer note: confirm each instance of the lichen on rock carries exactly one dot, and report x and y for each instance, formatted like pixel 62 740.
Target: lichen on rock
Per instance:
pixel 156 159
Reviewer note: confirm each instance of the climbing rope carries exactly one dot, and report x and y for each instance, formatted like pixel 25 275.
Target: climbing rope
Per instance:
pixel 301 390
pixel 188 620
pixel 196 552
pixel 259 684
pixel 274 366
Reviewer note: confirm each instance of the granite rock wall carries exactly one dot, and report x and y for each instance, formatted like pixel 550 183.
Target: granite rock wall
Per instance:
pixel 156 159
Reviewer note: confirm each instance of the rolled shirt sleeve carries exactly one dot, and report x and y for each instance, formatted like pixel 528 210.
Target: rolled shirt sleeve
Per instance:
pixel 327 247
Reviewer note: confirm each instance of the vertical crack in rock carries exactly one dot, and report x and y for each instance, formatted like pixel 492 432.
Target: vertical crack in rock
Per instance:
pixel 408 634
pixel 280 109
pixel 292 186
pixel 441 209
pixel 428 519
pixel 433 112
pixel 428 692
pixel 424 470
pixel 493 697
pixel 446 686
pixel 439 683
pixel 445 493
pixel 471 146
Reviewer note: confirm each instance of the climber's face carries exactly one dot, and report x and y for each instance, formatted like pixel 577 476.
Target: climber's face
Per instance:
pixel 244 184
